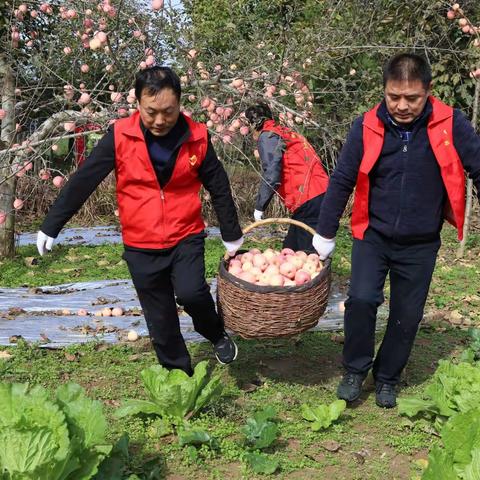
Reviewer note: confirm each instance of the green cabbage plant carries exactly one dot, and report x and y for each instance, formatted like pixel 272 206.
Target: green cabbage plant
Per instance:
pixel 172 394
pixel 50 439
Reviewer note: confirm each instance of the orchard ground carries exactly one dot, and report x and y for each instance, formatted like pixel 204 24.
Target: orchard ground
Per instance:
pixel 366 443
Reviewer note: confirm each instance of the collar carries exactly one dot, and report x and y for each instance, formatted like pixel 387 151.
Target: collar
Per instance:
pixel 385 117
pixel 184 125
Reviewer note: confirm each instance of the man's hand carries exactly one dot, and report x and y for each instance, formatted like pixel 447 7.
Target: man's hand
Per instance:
pixel 257 215
pixel 232 247
pixel 323 246
pixel 44 243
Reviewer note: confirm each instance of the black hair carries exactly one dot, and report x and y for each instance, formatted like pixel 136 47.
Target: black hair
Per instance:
pixel 258 114
pixel 408 66
pixel 154 79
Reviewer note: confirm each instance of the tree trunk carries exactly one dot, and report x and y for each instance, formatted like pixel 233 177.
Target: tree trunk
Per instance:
pixel 468 206
pixel 7 187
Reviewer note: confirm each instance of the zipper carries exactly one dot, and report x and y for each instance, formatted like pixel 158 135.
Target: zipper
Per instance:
pixel 402 185
pixel 162 213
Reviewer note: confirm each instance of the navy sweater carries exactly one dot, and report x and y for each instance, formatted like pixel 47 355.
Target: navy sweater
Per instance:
pixel 407 194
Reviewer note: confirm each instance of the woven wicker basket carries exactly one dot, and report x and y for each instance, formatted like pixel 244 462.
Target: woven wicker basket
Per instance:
pixel 255 311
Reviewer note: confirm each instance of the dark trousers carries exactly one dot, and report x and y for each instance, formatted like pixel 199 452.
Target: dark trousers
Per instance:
pixel 297 238
pixel 410 268
pixel 160 276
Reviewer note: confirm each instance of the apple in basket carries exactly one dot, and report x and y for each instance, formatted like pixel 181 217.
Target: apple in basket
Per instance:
pixel 235 269
pixel 235 263
pixel 279 259
pixel 288 269
pixel 303 255
pixel 309 267
pixel 277 280
pixel 248 277
pixel 246 266
pixel 269 254
pixel 302 277
pixel 296 260
pixel 256 272
pixel 260 261
pixel 272 268
pixel 247 257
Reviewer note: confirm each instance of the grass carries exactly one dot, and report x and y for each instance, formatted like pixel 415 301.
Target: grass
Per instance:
pixel 104 262
pixel 373 443
pixel 282 373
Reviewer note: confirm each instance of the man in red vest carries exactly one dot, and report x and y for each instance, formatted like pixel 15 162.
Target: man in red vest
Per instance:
pixel 405 159
pixel 292 169
pixel 161 160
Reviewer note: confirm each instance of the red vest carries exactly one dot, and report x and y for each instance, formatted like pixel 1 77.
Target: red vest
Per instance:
pixel 303 176
pixel 440 134
pixel 154 217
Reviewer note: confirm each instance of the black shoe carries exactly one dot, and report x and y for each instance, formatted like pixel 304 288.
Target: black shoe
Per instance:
pixel 385 395
pixel 225 349
pixel 350 388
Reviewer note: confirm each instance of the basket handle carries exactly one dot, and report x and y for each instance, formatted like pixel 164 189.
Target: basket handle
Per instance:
pixel 268 221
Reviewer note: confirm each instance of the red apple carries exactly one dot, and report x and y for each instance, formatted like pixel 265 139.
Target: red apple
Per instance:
pixel 301 254
pixel 260 261
pixel 247 257
pixel 256 272
pixel 246 266
pixel 235 262
pixel 247 277
pixel 17 204
pixel 310 267
pixel 276 280
pixel 288 270
pixel 272 270
pixel 235 270
pixel 58 181
pixel 302 277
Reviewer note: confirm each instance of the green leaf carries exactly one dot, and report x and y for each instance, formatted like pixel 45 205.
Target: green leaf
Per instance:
pixel 268 413
pixel 87 426
pixel 260 434
pixel 411 407
pixel 440 466
pixel 472 470
pixel 336 408
pixel 323 415
pixel 172 393
pixel 308 413
pixel 112 468
pixel 461 435
pixel 28 418
pixel 134 407
pixel 261 463
pixel 193 437
pixel 44 440
pixel 84 416
pixel 27 451
pixel 212 390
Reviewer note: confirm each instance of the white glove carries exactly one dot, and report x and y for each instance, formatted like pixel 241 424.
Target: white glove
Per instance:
pixel 257 215
pixel 44 243
pixel 232 247
pixel 323 246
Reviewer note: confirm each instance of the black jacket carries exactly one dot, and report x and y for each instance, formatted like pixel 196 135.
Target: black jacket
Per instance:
pixel 407 194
